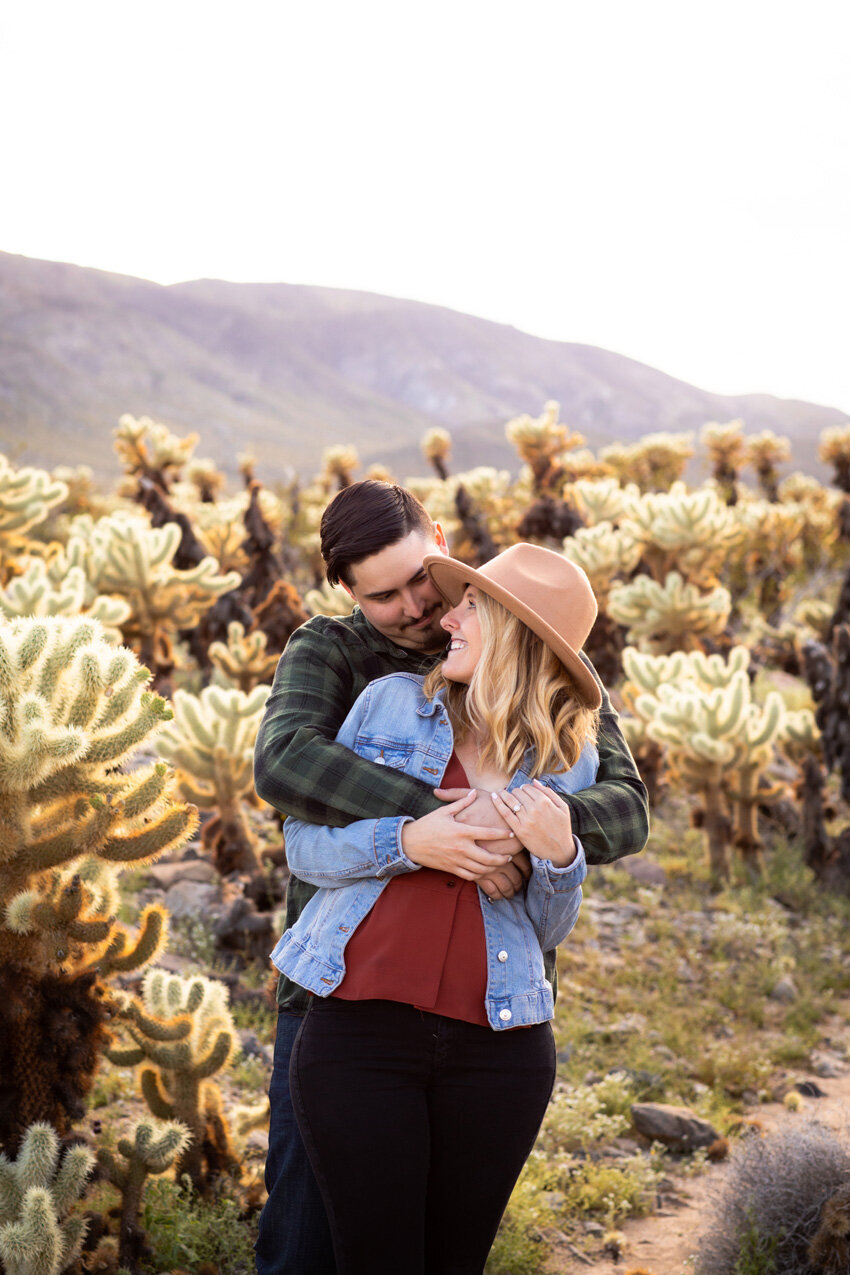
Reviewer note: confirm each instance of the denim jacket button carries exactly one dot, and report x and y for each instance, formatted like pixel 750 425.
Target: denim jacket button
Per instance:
pixel 505 1015
pixel 502 956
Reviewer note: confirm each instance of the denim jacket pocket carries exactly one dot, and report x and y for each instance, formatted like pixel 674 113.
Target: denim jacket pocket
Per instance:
pixel 394 754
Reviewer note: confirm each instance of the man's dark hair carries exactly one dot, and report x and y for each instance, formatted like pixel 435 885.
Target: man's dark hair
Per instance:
pixel 364 519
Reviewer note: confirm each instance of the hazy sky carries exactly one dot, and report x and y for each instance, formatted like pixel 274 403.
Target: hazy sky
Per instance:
pixel 665 178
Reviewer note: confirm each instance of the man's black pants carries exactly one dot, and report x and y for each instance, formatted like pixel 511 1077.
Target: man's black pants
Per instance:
pixel 417 1127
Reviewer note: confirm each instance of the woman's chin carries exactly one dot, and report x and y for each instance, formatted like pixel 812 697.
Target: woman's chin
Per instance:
pixel 455 675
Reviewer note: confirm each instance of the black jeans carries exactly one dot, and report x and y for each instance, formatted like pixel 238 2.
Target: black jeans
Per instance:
pixel 417 1127
pixel 294 1237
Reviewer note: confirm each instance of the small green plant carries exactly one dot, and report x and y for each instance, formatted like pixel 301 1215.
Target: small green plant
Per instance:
pixel 757 1255
pixel 184 1229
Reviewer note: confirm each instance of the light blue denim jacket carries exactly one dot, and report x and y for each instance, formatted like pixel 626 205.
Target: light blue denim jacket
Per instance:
pixel 393 724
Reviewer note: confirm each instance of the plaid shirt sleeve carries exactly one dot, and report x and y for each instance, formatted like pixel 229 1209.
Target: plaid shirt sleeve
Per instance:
pixel 611 818
pixel 299 768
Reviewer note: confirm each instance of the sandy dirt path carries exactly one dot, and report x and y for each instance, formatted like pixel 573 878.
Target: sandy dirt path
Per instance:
pixel 664 1243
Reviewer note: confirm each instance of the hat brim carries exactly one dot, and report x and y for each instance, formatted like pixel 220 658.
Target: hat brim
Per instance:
pixel 451 577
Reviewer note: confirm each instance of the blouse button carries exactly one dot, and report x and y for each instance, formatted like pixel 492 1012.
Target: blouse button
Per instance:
pixel 505 1015
pixel 502 956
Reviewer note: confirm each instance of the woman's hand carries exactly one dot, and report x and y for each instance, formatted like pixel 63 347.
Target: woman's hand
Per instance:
pixel 540 819
pixel 439 841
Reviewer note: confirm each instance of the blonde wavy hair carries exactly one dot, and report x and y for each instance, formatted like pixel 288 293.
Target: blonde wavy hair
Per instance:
pixel 520 697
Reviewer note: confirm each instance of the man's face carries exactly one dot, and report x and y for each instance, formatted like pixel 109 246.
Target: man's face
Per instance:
pixel 397 597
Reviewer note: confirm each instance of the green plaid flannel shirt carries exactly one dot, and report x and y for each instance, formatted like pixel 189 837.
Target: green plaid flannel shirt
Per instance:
pixel 301 771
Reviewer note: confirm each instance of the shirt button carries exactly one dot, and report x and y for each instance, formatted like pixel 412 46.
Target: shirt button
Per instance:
pixel 505 1015
pixel 502 956
pixel 451 884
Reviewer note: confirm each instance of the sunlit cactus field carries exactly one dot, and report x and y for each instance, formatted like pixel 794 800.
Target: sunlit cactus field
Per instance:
pixel 143 882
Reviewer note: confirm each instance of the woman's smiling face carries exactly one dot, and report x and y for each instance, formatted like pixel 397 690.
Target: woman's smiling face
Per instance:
pixel 464 629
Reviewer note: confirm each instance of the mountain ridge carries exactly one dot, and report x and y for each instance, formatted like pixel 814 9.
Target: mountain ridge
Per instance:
pixel 285 370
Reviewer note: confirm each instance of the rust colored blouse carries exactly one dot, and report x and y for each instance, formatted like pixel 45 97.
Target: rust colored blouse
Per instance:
pixel 423 942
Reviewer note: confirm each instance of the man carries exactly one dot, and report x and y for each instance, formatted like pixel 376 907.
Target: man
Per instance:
pixel 374 536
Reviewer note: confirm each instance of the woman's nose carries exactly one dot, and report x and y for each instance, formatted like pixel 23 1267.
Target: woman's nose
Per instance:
pixel 449 620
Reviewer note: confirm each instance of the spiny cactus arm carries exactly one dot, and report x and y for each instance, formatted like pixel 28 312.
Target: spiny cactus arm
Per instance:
pixel 33 1245
pixel 70 1181
pixel 38 1157
pixel 216 1057
pixel 147 788
pixel 26 496
pixel 125 1056
pixel 246 1117
pixel 172 828
pixel 73 839
pixel 155 1145
pixel 155 1094
pixel 184 595
pixel 117 1174
pixel 150 941
pixel 10 1191
pixel 35 747
pixel 123 692
pixel 150 1026
pixel 152 710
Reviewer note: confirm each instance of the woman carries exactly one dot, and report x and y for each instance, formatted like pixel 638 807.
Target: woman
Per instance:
pixel 424 1067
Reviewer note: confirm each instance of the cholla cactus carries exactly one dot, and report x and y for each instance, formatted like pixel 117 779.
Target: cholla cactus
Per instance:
pixel 150 1148
pixel 338 466
pixel 582 465
pixel 765 453
pixel 653 464
pixel 604 499
pixel 207 478
pixel 672 616
pixel 73 709
pixel 26 498
pixel 727 450
pixel 211 743
pixel 329 600
pixel 770 552
pixel 719 742
pixel 244 660
pixel 436 448
pixel 37 1191
pixel 604 552
pixel 834 450
pixel 148 449
pixel 184 1028
pixel 134 560
pixel 690 532
pixel 820 508
pixel 540 442
pixel 34 593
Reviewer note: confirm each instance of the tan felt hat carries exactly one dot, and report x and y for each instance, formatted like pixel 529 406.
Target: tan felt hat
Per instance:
pixel 543 589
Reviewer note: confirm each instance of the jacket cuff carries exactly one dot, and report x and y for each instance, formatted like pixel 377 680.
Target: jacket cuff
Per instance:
pixel 389 856
pixel 554 879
